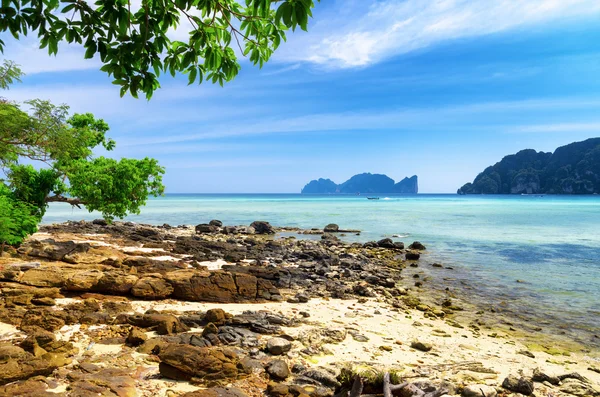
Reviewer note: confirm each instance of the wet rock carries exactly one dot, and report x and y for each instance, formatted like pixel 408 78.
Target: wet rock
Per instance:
pixel 417 246
pixel 479 391
pixel 331 228
pixel 262 227
pixel 152 287
pixel 412 256
pixel 204 363
pixel 278 369
pixel 278 346
pixel 386 243
pixel 422 346
pixel 518 385
pixel 136 337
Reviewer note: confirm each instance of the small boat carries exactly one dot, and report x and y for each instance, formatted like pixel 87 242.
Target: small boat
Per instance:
pixel 372 198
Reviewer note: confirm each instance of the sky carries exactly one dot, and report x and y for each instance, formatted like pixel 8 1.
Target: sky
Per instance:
pixel 435 88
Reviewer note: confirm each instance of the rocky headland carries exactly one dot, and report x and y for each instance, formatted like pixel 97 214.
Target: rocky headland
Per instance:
pixel 92 309
pixel 364 183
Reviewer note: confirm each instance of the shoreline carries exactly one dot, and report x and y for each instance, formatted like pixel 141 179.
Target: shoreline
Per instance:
pixel 357 296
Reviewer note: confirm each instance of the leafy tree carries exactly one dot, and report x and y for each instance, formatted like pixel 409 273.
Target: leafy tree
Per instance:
pixel 135 40
pixel 69 173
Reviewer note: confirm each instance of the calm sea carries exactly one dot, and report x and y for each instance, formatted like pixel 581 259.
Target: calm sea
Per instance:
pixel 551 244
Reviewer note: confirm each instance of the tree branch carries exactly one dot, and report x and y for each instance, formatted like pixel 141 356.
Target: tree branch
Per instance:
pixel 61 199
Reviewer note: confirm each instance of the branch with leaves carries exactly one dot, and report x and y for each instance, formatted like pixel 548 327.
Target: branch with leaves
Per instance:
pixel 137 46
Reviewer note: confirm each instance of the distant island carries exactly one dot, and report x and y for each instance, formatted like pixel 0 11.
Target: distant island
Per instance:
pixel 363 183
pixel 571 169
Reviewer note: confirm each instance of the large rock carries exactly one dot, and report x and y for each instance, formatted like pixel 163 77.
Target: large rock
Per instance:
pixel 219 286
pixel 331 228
pixel 206 228
pixel 204 363
pixel 518 385
pixel 278 346
pixel 25 368
pixel 216 392
pixel 152 287
pixel 262 227
pixel 278 369
pixel 417 246
pixel 66 251
pixel 96 381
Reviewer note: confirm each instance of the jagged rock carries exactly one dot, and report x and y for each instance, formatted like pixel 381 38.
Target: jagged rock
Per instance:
pixel 518 385
pixel 152 287
pixel 43 318
pixel 262 227
pixel 278 346
pixel 479 391
pixel 331 228
pixel 278 369
pixel 204 363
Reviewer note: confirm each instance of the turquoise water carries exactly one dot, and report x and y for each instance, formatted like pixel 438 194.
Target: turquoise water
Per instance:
pixel 550 244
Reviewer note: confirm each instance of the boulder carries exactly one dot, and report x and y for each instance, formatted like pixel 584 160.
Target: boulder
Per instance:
pixel 386 243
pixel 25 368
pixel 331 228
pixel 518 385
pixel 278 369
pixel 216 222
pixel 417 246
pixel 152 287
pixel 262 227
pixel 412 256
pixel 96 381
pixel 278 346
pixel 208 364
pixel 206 228
pixel 217 316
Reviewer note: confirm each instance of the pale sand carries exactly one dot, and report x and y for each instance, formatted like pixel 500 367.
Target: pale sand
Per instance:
pixel 397 330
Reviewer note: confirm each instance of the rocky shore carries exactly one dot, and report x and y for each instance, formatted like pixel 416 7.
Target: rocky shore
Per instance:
pixel 91 309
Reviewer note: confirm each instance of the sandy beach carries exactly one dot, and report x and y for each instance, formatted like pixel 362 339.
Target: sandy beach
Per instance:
pixel 94 309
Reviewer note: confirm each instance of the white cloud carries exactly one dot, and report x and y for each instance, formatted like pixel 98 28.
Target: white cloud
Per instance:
pixel 33 59
pixel 380 29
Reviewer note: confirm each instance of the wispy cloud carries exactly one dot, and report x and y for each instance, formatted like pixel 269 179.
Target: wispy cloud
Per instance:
pixel 560 127
pixel 381 29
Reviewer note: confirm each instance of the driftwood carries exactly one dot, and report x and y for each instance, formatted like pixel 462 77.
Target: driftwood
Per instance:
pixel 389 390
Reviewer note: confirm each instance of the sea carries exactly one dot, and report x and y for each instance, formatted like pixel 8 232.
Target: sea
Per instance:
pixel 538 256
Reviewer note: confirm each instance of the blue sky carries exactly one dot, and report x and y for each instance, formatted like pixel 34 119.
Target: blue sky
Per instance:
pixel 439 88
